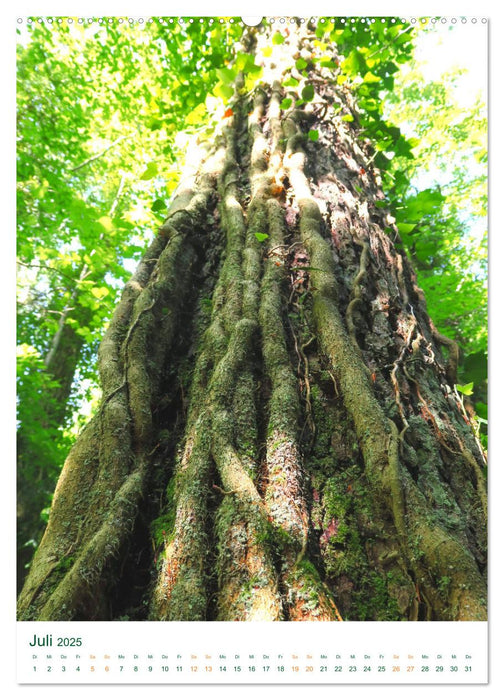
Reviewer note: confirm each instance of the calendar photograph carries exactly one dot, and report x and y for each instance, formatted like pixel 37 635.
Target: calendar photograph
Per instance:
pixel 251 326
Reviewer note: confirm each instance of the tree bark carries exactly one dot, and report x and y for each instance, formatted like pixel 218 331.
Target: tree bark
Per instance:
pixel 279 438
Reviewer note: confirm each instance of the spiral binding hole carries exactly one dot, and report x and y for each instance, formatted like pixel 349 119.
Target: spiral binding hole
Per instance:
pixel 248 21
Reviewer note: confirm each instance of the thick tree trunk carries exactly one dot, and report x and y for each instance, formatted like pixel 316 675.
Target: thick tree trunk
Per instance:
pixel 278 438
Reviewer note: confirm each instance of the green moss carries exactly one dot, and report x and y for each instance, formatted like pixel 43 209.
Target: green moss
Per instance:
pixel 308 585
pixel 188 600
pixel 374 600
pixel 162 527
pixel 337 499
pixel 444 585
pixel 64 564
pixel 224 519
pixel 276 539
pixel 245 420
pixel 306 566
pixel 347 510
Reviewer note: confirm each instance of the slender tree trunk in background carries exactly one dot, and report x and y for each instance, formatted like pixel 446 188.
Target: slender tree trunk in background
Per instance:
pixel 278 438
pixel 33 494
pixel 36 473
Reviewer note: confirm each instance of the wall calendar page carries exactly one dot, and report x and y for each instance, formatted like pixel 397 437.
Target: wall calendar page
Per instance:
pixel 252 413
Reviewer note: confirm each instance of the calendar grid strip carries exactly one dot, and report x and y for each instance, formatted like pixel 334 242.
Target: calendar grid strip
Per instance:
pixel 197 653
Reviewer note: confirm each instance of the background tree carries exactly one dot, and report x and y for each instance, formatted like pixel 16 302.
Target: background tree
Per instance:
pixel 279 435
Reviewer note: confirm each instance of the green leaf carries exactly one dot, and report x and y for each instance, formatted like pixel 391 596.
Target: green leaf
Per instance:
pixel 154 124
pixel 354 63
pixel 308 93
pixel 347 118
pixel 405 228
pixel 286 103
pixel 476 366
pixel 426 251
pixel 482 410
pixel 226 75
pixel 466 389
pixel 381 204
pixel 278 38
pixel 223 91
pixel 196 115
pixel 252 78
pixel 158 205
pixel 261 236
pixel 337 36
pixel 424 203
pixel 106 222
pixel 254 69
pixel 371 78
pixel 301 63
pixel 244 61
pixel 313 134
pixel 291 82
pixel 99 292
pixel 150 172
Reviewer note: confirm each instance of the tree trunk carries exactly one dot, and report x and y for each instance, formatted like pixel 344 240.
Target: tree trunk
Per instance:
pixel 36 471
pixel 279 438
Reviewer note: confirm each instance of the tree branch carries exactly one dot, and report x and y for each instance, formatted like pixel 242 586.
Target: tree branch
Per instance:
pixel 99 155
